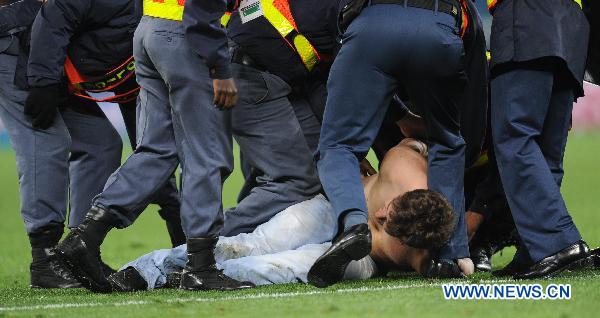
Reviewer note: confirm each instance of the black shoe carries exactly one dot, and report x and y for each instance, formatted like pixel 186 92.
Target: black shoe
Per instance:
pixel 210 279
pixel 200 272
pixel 82 261
pixel 511 269
pixel 173 280
pixel 127 280
pixel 573 257
pixel 329 269
pixel 79 252
pixel 492 237
pixel 45 275
pixel 442 268
pixel 106 269
pixel 595 256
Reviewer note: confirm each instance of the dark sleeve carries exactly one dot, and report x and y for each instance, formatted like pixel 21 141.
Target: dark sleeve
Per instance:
pixel 51 34
pixel 206 35
pixel 18 16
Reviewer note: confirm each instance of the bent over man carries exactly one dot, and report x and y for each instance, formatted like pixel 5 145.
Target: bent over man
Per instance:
pixel 415 45
pixel 182 65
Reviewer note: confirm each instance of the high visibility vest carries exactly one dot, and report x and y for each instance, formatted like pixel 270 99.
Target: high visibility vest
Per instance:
pixel 492 4
pixel 79 85
pixel 164 9
pixel 279 15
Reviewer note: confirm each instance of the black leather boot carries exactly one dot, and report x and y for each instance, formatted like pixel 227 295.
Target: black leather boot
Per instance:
pixel 43 273
pixel 127 280
pixel 173 221
pixel 200 271
pixel 329 269
pixel 79 252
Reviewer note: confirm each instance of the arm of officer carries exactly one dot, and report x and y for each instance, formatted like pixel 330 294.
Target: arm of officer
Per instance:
pixel 51 34
pixel 208 38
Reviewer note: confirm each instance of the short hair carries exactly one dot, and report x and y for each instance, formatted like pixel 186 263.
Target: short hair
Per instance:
pixel 420 219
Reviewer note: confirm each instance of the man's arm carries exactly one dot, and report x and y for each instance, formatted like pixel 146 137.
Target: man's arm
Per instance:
pixel 51 34
pixel 206 36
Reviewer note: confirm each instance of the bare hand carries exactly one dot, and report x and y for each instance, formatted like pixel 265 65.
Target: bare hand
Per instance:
pixel 466 266
pixel 225 93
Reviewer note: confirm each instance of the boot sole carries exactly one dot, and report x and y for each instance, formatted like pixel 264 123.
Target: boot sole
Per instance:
pixel 329 268
pixel 75 267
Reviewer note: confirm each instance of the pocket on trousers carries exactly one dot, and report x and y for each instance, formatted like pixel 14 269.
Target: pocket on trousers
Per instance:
pixel 252 86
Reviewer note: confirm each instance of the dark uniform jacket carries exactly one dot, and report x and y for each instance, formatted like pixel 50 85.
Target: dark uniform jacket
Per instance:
pixel 592 11
pixel 316 20
pixel 525 30
pixel 475 100
pixel 16 17
pixel 96 34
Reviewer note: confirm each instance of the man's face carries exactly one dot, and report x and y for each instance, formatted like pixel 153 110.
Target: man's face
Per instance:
pixel 393 249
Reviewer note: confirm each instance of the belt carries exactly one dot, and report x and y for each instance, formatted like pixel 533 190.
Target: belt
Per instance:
pixel 239 56
pixel 448 7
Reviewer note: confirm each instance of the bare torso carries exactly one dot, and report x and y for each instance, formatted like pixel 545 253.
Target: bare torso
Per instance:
pixel 403 169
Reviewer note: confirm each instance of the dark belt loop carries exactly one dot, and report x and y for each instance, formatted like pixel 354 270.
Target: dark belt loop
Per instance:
pixel 405 3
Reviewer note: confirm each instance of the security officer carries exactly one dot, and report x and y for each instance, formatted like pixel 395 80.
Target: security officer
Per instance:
pixel 42 156
pixel 183 67
pixel 412 44
pixel 281 55
pixel 538 59
pixel 88 43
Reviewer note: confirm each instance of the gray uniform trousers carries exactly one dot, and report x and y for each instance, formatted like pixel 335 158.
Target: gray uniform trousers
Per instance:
pixel 177 124
pixel 80 149
pixel 273 144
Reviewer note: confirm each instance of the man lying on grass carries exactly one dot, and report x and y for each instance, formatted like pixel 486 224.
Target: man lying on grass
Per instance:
pixel 406 220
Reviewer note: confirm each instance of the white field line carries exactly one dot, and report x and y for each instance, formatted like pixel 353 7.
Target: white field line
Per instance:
pixel 218 299
pixel 244 297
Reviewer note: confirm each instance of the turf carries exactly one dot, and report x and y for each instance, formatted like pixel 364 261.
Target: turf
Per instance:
pixel 400 295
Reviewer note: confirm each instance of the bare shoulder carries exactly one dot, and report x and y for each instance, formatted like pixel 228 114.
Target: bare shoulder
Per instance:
pixel 404 166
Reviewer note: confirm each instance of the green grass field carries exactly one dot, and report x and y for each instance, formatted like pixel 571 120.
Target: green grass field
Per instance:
pixel 401 295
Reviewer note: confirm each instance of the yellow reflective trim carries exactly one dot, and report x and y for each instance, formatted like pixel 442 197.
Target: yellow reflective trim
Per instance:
pixel 279 22
pixel 303 47
pixel 225 19
pixel 483 159
pixel 306 51
pixel 168 9
pixel 492 3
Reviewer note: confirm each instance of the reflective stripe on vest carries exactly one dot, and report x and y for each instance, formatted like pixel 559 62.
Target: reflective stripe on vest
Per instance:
pixel 279 15
pixel 164 9
pixel 492 4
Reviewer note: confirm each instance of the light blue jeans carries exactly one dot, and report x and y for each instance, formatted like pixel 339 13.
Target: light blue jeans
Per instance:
pixel 277 252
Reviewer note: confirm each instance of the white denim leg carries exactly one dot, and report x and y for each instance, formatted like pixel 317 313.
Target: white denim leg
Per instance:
pixel 309 222
pixel 290 266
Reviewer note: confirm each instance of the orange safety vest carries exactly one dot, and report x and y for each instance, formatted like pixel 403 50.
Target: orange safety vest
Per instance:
pixel 493 3
pixel 79 85
pixel 279 15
